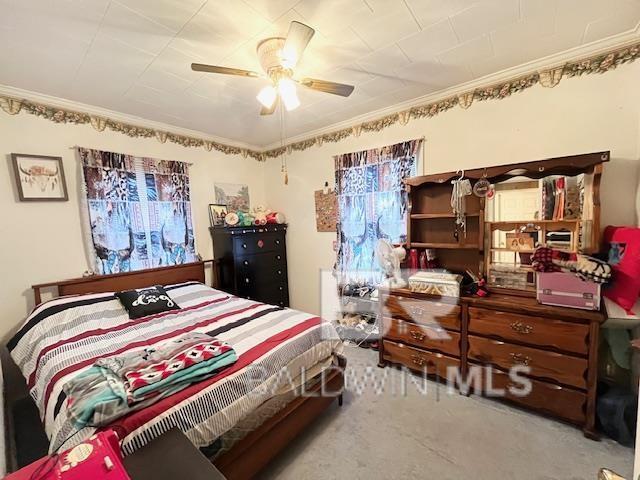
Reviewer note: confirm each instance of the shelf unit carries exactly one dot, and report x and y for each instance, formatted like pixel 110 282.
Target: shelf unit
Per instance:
pixel 431 223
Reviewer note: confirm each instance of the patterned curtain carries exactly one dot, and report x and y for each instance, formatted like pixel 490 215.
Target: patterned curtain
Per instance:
pixel 139 211
pixel 372 204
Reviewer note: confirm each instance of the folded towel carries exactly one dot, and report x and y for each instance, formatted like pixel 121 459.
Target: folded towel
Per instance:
pixel 118 385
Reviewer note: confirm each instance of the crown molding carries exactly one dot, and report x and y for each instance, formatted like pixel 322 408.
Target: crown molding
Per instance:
pixel 547 63
pixel 92 110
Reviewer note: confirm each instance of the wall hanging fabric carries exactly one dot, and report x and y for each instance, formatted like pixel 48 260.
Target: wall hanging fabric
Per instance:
pixel 326 211
pixel 372 204
pixel 139 211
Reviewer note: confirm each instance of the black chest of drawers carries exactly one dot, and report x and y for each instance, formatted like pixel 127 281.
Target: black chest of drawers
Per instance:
pixel 253 262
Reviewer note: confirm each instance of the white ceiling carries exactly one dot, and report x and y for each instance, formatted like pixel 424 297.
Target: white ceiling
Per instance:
pixel 134 56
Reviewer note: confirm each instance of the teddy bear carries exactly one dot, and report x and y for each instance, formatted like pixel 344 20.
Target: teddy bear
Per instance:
pixel 260 215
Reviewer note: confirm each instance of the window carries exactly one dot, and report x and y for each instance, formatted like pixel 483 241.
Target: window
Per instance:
pixel 139 211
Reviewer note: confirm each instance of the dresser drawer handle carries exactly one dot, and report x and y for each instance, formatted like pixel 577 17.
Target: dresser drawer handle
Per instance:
pixel 417 335
pixel 521 328
pixel 281 288
pixel 277 242
pixel 520 359
pixel 420 361
pixel 246 280
pixel 246 262
pixel 278 257
pixel 279 272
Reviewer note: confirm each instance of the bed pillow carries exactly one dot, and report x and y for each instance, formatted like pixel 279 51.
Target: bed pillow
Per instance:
pixel 146 301
pixel 624 257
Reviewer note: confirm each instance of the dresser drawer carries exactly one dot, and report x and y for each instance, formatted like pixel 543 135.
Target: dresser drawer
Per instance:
pixel 558 401
pixel 424 336
pixel 554 366
pixel 424 312
pixel 261 269
pixel 421 360
pixel 571 337
pixel 266 260
pixel 276 293
pixel 257 243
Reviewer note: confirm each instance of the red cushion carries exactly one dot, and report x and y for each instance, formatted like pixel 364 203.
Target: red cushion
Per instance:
pixel 624 256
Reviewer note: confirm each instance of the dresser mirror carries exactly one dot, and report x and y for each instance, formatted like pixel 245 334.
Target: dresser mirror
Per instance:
pixel 523 213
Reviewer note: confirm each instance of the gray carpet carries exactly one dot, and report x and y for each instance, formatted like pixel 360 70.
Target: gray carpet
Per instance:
pixel 441 436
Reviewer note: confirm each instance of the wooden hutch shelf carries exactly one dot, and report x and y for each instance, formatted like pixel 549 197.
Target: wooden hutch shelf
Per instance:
pixel 426 216
pixel 446 246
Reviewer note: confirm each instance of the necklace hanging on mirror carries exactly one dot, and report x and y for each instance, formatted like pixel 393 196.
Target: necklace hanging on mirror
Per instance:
pixel 482 187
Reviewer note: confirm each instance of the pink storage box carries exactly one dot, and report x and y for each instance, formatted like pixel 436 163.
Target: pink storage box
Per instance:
pixel 567 290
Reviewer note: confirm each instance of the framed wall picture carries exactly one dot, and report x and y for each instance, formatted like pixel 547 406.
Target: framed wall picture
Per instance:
pixel 217 214
pixel 234 195
pixel 39 178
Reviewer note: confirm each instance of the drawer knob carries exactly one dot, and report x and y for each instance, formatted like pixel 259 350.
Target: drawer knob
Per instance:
pixel 244 245
pixel 277 242
pixel 246 262
pixel 246 280
pixel 416 311
pixel 521 328
pixel 279 272
pixel 417 335
pixel 420 361
pixel 520 359
pixel 281 288
pixel 278 257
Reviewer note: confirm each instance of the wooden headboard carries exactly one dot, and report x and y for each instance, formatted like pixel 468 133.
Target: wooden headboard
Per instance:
pixel 128 280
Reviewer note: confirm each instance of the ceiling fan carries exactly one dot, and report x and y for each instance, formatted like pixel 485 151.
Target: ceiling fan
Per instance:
pixel 278 58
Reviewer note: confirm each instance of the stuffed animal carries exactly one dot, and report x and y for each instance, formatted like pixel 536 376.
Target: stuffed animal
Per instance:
pixel 260 214
pixel 276 217
pixel 244 219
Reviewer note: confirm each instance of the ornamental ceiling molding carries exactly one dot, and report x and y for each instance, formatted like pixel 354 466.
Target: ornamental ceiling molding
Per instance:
pixel 549 78
pixel 14 106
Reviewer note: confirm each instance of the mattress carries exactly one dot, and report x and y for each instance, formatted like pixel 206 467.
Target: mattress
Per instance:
pixel 275 347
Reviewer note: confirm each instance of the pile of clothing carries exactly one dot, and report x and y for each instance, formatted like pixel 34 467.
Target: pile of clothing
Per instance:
pixel 587 268
pixel 118 385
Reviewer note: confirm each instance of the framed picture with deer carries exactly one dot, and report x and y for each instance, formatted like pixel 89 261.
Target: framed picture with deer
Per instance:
pixel 39 178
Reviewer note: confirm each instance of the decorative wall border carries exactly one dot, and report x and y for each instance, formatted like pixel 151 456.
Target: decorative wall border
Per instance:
pixel 549 78
pixel 13 106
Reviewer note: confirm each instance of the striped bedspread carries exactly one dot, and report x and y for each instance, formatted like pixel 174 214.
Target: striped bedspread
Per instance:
pixel 65 336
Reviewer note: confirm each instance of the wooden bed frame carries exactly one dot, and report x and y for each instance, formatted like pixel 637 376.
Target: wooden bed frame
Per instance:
pixel 260 446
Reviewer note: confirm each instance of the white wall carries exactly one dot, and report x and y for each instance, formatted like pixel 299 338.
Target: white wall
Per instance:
pixel 592 113
pixel 42 241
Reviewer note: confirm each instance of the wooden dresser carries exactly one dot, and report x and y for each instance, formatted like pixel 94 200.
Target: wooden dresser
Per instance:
pixel 441 336
pixel 253 262
pixel 558 345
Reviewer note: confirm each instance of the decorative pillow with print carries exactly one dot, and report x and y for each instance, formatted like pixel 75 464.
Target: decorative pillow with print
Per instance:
pixel 146 301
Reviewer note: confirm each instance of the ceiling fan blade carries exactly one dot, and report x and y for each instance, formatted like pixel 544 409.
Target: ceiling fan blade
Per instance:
pixel 269 111
pixel 328 87
pixel 297 40
pixel 200 67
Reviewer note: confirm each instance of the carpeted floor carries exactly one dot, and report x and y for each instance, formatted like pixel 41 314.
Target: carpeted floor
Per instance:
pixel 440 436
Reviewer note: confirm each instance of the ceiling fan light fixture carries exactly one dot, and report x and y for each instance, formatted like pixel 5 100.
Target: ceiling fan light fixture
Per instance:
pixel 267 96
pixel 288 57
pixel 288 94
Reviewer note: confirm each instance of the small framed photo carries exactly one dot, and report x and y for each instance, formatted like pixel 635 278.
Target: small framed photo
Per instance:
pixel 217 214
pixel 39 178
